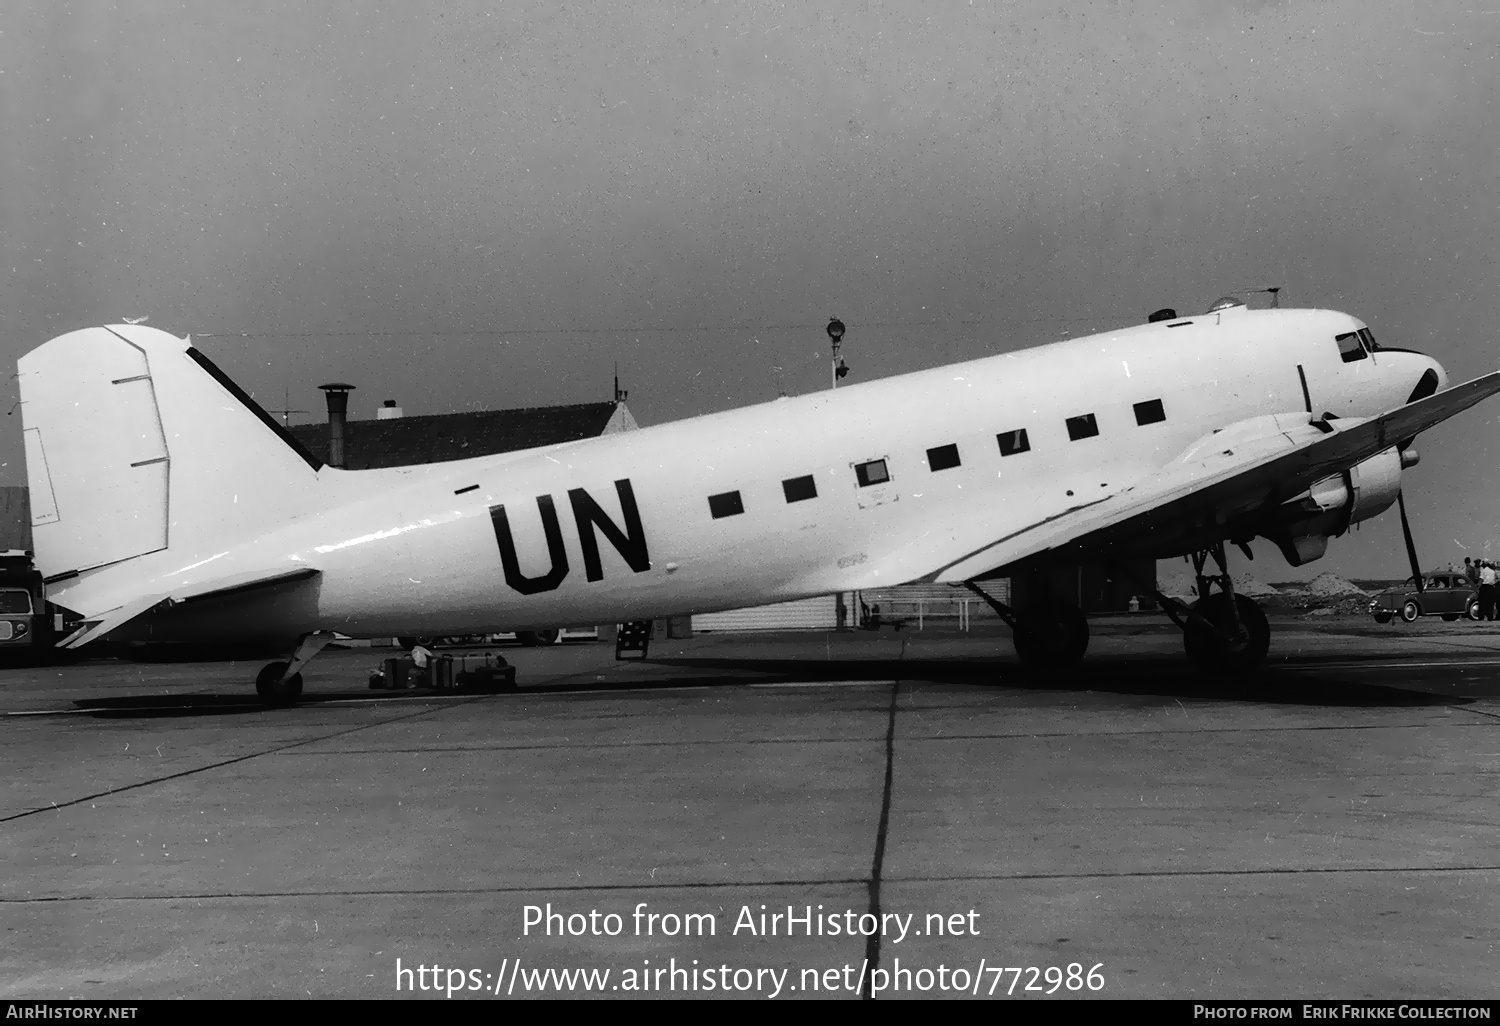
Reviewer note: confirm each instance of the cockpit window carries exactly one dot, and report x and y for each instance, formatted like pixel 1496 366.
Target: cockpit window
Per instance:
pixel 14 602
pixel 1369 337
pixel 1351 347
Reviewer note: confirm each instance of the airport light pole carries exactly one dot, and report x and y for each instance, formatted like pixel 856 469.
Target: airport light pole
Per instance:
pixel 838 367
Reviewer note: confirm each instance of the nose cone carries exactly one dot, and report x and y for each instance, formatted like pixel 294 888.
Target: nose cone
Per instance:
pixel 1431 378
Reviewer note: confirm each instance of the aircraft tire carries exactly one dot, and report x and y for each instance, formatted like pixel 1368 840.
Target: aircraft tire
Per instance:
pixel 528 639
pixel 1050 638
pixel 1210 652
pixel 550 636
pixel 1382 617
pixel 272 689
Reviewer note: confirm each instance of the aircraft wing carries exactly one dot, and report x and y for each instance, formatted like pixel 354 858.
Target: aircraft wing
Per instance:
pixel 95 627
pixel 1222 487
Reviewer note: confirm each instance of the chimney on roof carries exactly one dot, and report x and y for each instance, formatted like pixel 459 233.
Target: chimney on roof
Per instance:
pixel 338 416
pixel 388 411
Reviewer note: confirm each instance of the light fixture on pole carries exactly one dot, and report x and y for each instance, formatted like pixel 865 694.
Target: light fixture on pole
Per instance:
pixel 836 335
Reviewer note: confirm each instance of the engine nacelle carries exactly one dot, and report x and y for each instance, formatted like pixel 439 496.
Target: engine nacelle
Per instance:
pixel 1330 506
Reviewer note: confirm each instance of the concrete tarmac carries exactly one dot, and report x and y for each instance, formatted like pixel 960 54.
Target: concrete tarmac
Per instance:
pixel 1329 829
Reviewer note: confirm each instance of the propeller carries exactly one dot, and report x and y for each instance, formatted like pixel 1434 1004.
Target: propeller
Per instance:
pixel 1411 548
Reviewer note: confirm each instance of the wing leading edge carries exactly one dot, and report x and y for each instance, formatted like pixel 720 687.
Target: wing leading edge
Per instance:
pixel 1224 487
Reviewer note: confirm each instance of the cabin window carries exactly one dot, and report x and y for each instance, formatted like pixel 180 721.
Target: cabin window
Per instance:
pixel 1150 412
pixel 871 473
pixel 1082 426
pixel 1351 347
pixel 799 488
pixel 944 457
pixel 725 504
pixel 1012 442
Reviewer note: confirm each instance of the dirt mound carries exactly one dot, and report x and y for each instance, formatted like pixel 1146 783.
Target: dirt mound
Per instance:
pixel 1255 587
pixel 1330 585
pixel 1176 579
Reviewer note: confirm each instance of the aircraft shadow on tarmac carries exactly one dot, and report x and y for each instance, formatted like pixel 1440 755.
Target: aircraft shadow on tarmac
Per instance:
pixel 1131 678
pixel 1168 678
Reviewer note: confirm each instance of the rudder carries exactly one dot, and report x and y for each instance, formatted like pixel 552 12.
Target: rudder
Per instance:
pixel 136 442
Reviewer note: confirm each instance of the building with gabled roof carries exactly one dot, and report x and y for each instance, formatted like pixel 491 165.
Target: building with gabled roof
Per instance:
pixel 399 441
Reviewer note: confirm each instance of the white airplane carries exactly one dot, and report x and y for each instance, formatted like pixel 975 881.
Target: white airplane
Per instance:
pixel 168 506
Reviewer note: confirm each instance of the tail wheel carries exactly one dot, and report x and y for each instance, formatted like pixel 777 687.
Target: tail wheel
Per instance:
pixel 276 689
pixel 1410 611
pixel 1052 637
pixel 1474 609
pixel 1210 651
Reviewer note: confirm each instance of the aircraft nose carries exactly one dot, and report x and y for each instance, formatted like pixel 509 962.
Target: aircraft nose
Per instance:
pixel 1432 379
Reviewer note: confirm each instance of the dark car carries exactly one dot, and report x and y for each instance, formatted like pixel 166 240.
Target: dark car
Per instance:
pixel 1445 593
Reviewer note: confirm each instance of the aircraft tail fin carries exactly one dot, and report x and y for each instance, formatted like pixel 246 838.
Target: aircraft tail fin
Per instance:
pixel 136 443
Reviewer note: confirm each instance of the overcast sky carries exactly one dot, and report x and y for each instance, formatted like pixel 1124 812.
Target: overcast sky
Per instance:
pixel 517 195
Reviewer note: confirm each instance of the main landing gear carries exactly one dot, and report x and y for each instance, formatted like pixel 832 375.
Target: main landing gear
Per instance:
pixel 1051 632
pixel 280 683
pixel 1222 631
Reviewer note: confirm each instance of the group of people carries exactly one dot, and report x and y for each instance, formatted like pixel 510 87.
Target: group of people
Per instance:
pixel 1482 574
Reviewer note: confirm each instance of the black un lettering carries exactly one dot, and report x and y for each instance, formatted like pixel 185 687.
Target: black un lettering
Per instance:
pixel 555 551
pixel 630 543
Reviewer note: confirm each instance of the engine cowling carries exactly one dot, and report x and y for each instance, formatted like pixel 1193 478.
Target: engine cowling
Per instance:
pixel 1333 504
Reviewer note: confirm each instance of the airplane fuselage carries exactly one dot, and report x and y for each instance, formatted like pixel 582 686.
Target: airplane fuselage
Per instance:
pixel 796 497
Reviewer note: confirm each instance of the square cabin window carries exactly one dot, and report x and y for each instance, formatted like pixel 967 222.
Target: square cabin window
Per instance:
pixel 871 473
pixel 1012 442
pixel 944 457
pixel 1351 347
pixel 800 488
pixel 1150 412
pixel 1082 426
pixel 725 504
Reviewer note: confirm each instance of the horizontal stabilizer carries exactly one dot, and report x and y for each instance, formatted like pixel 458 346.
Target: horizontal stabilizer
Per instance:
pixel 97 627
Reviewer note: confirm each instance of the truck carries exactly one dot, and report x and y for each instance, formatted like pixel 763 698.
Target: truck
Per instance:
pixel 26 619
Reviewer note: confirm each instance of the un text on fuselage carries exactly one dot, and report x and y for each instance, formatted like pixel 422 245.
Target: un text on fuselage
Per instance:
pixel 587 515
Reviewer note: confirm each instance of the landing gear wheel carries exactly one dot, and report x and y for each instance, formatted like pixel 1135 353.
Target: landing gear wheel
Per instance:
pixel 1057 636
pixel 1450 617
pixel 1211 652
pixel 1382 617
pixel 273 689
pixel 528 639
pixel 550 636
pixel 1410 611
pixel 1474 610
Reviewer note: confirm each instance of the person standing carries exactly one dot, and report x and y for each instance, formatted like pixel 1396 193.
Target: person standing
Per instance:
pixel 1471 571
pixel 1486 590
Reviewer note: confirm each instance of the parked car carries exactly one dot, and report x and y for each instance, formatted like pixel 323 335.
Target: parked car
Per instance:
pixel 1446 594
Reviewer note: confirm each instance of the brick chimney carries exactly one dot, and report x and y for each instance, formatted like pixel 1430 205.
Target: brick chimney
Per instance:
pixel 338 417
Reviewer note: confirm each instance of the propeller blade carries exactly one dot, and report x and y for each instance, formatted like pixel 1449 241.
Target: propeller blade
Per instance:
pixel 1411 548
